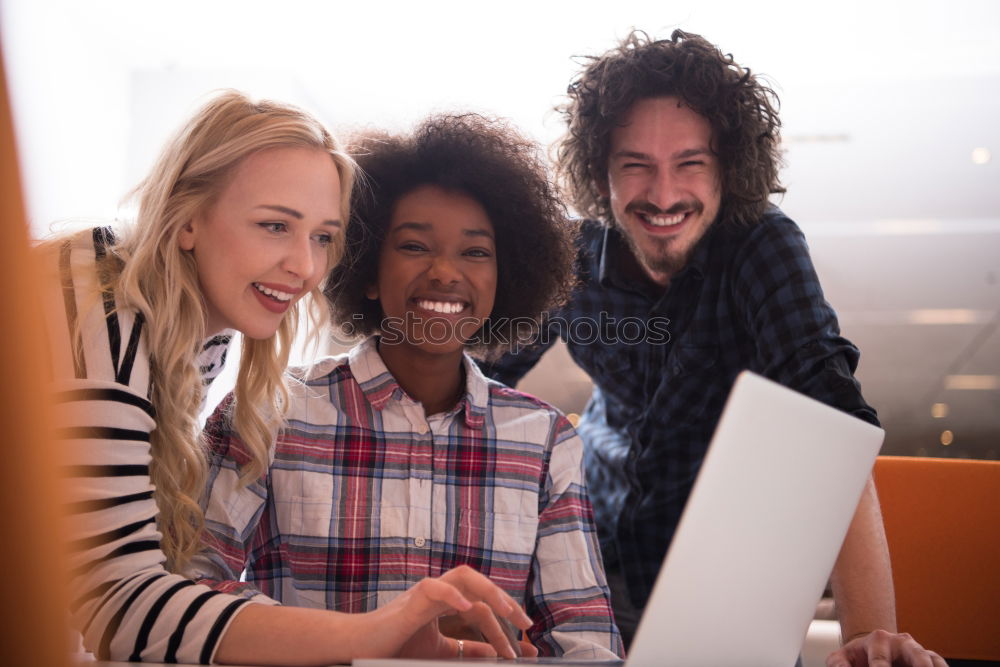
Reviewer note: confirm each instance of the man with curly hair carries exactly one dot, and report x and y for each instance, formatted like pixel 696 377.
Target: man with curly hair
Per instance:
pixel 672 150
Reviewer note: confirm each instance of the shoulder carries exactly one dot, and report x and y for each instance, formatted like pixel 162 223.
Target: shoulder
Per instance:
pixel 317 388
pixel 527 412
pixel 92 334
pixel 332 368
pixel 773 236
pixel 590 238
pixel 771 251
pixel 590 230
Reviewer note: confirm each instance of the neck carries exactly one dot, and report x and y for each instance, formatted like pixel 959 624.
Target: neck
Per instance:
pixel 437 381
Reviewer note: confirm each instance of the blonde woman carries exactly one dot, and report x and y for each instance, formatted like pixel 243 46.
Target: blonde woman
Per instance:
pixel 238 224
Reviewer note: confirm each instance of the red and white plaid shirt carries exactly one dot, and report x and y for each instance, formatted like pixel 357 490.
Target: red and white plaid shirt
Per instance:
pixel 365 496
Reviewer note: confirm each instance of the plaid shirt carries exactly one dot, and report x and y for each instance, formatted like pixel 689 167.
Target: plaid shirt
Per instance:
pixel 365 496
pixel 663 361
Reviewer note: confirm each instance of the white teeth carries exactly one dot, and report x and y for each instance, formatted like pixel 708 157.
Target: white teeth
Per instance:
pixel 273 293
pixel 445 307
pixel 664 220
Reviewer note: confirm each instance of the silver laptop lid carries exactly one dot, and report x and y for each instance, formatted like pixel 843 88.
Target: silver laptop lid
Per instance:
pixel 760 532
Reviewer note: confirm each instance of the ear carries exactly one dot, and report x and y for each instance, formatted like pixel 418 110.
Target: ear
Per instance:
pixel 185 239
pixel 372 292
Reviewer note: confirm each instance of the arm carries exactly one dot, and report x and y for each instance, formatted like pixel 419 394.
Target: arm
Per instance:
pixel 407 626
pixel 862 578
pixel 123 600
pixel 798 343
pixel 568 594
pixel 862 587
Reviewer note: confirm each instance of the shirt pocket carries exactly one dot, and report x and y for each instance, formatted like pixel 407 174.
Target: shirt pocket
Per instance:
pixel 620 371
pixel 497 533
pixel 694 390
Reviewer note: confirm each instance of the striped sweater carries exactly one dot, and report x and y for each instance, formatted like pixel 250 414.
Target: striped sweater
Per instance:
pixel 123 600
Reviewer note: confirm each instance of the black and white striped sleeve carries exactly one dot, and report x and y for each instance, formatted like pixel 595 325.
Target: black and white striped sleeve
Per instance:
pixel 123 600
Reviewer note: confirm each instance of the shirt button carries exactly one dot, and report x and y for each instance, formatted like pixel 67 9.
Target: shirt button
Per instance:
pixel 419 541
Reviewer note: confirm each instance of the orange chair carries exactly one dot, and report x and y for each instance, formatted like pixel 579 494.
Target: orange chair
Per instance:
pixel 33 601
pixel 942 520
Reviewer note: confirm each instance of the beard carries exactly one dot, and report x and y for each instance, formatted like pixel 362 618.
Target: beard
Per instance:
pixel 664 257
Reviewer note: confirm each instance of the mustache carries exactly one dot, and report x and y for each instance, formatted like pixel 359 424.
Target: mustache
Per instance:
pixel 648 208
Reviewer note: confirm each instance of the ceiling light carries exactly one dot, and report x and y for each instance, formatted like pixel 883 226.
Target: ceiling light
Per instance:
pixel 947 437
pixel 947 316
pixel 980 382
pixel 981 155
pixel 939 410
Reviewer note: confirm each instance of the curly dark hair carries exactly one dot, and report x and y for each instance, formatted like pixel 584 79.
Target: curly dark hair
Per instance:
pixel 742 111
pixel 488 160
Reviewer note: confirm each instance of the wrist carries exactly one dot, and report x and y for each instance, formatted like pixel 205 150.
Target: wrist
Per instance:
pixel 847 639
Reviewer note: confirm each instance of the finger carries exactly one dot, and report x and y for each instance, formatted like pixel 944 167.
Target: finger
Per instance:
pixel 517 615
pixel 914 654
pixel 477 586
pixel 482 617
pixel 838 659
pixel 436 594
pixel 937 659
pixel 474 649
pixel 879 645
pixel 528 649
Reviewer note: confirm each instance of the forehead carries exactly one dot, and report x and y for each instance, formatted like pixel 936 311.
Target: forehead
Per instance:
pixel 286 172
pixel 440 208
pixel 660 121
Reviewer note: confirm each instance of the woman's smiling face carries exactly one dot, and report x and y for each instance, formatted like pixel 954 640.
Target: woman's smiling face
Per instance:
pixel 437 273
pixel 264 242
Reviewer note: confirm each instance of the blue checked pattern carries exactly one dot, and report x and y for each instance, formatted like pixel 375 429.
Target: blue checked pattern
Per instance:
pixel 749 298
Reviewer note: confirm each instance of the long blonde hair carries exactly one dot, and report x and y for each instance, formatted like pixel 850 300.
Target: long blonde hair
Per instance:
pixel 153 275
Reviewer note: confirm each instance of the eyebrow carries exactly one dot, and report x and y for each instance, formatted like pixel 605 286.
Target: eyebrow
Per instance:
pixel 426 227
pixel 296 214
pixel 680 155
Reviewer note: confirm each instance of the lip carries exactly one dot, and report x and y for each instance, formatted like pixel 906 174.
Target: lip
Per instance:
pixel 270 304
pixel 273 305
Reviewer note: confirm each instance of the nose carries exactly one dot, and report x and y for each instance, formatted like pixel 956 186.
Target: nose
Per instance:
pixel 663 191
pixel 301 260
pixel 444 271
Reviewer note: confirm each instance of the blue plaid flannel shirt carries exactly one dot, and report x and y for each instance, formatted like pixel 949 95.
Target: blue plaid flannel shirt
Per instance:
pixel 663 361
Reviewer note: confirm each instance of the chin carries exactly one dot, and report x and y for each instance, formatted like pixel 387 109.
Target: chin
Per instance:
pixel 258 332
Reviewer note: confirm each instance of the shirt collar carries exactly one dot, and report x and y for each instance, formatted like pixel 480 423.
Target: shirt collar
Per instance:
pixel 379 386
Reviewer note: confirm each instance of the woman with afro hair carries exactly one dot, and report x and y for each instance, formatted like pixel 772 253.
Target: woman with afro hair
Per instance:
pixel 400 459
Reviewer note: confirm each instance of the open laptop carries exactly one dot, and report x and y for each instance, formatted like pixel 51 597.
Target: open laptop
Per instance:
pixel 758 538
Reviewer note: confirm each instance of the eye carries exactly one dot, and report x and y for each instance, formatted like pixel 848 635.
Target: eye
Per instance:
pixel 634 165
pixel 323 239
pixel 479 253
pixel 692 163
pixel 412 246
pixel 273 226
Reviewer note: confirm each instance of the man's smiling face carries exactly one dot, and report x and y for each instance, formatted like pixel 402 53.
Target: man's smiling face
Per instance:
pixel 663 183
